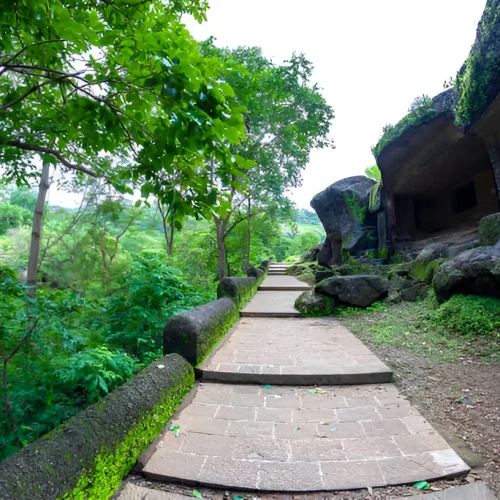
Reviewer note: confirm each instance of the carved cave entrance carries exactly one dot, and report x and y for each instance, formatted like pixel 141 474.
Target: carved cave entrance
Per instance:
pixel 455 190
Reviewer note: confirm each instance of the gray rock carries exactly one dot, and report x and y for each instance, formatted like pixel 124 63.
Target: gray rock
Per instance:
pixel 312 254
pixel 433 252
pixel 414 292
pixel 358 290
pixel 489 230
pixel 311 303
pixel 194 333
pixel 474 272
pixel 255 272
pixel 323 275
pixel 357 230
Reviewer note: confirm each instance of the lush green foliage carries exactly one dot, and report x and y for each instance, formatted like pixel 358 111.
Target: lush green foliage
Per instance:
pixel 106 329
pixel 118 91
pixel 481 69
pixel 465 325
pixel 470 316
pixel 420 111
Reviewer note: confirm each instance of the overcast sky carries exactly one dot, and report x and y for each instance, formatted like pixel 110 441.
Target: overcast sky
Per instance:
pixel 371 57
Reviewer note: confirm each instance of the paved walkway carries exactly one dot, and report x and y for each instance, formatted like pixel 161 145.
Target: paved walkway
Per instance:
pixel 252 432
pixel 294 351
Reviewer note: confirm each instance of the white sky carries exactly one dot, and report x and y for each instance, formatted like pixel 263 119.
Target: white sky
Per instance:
pixel 371 57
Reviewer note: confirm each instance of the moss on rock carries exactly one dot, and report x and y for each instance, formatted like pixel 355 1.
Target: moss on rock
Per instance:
pixel 489 230
pixel 312 304
pixel 88 456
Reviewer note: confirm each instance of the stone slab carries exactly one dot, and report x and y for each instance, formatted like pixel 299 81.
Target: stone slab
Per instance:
pixel 292 439
pixel 474 491
pixel 283 283
pixel 133 492
pixel 272 304
pixel 295 351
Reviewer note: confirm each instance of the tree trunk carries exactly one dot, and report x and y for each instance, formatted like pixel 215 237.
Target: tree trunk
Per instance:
pixel 221 226
pixel 36 231
pixel 247 259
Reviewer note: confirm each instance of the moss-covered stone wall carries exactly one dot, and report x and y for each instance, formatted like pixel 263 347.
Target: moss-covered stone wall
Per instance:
pixel 87 457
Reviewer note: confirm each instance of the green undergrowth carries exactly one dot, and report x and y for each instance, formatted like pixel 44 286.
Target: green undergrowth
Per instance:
pixel 111 466
pixel 465 325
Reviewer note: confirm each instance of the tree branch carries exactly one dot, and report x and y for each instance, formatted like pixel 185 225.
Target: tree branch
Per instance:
pixel 237 221
pixel 53 152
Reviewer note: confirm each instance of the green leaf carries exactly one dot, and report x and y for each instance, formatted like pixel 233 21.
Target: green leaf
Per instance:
pixel 267 386
pixel 313 391
pixel 197 494
pixel 422 485
pixel 174 427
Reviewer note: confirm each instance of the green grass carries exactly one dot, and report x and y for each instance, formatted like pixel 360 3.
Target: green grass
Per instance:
pixel 462 326
pixel 311 228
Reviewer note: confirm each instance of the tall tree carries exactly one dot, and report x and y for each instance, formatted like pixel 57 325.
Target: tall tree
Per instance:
pixel 286 118
pixel 115 89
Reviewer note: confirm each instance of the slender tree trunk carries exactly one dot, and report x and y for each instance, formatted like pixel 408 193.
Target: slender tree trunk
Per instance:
pixel 247 259
pixel 170 244
pixel 221 226
pixel 168 232
pixel 36 231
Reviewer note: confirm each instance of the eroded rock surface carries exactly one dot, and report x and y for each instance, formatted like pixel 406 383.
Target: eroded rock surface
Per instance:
pixel 474 272
pixel 357 291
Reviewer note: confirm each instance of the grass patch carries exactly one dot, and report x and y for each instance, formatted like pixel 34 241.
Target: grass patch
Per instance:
pixel 462 326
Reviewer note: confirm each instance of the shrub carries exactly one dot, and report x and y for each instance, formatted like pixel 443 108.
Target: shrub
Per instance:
pixel 469 315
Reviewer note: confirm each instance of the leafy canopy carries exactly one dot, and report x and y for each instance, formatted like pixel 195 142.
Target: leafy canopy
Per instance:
pixel 115 89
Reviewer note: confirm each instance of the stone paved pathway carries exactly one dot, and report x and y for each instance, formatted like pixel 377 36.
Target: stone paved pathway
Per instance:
pixel 289 438
pixel 294 351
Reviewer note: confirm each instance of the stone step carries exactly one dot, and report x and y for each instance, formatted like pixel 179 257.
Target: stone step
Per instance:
pixel 272 303
pixel 293 351
pixel 282 283
pixel 292 314
pixel 292 439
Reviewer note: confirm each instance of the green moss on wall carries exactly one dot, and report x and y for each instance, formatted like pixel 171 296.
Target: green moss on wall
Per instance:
pixel 481 68
pixel 220 327
pixel 422 114
pixel 111 466
pixel 425 271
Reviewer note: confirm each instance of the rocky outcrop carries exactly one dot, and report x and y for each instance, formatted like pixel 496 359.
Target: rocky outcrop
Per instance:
pixel 357 291
pixel 311 303
pixel 474 272
pixel 348 222
pixel 312 254
pixel 489 230
pixel 404 289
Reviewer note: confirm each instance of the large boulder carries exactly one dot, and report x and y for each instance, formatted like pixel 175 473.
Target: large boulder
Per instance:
pixel 489 229
pixel 474 272
pixel 348 222
pixel 358 291
pixel 312 254
pixel 311 303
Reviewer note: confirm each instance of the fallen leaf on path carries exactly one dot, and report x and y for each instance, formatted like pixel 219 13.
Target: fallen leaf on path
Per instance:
pixel 267 386
pixel 174 427
pixel 422 485
pixel 197 494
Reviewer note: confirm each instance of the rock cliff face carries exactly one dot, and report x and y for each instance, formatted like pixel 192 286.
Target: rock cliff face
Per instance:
pixel 343 209
pixel 440 164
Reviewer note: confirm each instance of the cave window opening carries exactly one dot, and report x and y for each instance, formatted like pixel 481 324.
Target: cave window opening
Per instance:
pixel 464 198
